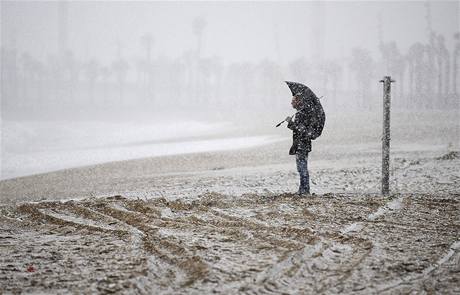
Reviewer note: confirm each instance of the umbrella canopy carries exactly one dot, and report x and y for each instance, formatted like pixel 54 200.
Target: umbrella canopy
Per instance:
pixel 311 105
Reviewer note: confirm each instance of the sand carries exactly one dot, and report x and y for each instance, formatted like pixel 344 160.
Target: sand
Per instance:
pixel 228 222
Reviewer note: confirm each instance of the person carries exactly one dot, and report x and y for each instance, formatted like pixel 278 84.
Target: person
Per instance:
pixel 301 137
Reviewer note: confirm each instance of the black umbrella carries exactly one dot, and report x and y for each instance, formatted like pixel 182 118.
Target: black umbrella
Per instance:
pixel 312 106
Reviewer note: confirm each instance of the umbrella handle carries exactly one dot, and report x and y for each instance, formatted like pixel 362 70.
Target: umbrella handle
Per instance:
pixel 278 125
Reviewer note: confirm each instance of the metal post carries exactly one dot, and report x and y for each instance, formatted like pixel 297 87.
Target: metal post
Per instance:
pixel 386 135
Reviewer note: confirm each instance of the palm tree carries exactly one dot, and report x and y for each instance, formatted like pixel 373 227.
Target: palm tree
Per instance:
pixel 395 64
pixel 431 72
pixel 416 68
pixel 436 45
pixel 9 76
pixel 209 68
pixel 147 42
pixel 92 73
pixel 199 24
pixel 26 62
pixel 55 75
pixel 455 65
pixel 145 65
pixel 266 80
pixel 120 67
pixel 444 57
pixel 37 73
pixel 71 72
pixel 333 71
pixel 363 66
pixel 105 73
pixel 237 81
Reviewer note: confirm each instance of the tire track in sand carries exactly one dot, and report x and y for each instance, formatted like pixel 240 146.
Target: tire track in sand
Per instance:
pixel 329 254
pixel 188 267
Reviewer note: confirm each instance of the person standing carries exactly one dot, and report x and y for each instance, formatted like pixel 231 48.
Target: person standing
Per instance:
pixel 301 137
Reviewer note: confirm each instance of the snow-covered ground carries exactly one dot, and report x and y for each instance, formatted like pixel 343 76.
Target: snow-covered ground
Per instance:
pixel 254 243
pixel 227 221
pixel 32 147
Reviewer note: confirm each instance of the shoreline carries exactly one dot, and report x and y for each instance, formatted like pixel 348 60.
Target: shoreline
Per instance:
pixel 86 157
pixel 343 160
pixel 266 168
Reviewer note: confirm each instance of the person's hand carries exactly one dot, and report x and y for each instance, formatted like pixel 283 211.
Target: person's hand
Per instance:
pixel 288 119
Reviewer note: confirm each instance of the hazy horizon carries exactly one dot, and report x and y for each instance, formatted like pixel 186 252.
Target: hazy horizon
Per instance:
pixel 233 31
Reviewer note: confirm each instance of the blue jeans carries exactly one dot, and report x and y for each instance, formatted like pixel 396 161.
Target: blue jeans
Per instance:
pixel 302 168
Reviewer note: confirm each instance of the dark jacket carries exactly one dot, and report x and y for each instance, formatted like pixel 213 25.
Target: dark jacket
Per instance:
pixel 301 127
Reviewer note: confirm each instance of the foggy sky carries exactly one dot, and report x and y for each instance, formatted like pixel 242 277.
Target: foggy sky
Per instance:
pixel 235 31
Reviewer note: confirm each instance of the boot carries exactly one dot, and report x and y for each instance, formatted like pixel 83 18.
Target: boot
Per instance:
pixel 304 188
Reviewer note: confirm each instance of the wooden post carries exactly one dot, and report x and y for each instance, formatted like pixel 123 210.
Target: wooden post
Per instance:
pixel 386 135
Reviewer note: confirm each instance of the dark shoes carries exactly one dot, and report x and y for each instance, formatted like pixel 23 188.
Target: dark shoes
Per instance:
pixel 302 193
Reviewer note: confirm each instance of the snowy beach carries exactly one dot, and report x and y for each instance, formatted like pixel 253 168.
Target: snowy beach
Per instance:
pixel 227 221
pixel 230 147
